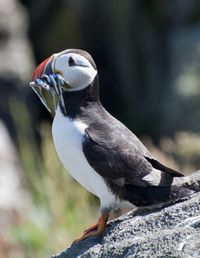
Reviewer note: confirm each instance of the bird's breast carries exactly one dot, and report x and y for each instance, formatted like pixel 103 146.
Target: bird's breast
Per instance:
pixel 68 136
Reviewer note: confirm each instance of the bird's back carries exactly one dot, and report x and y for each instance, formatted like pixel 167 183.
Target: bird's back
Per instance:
pixel 124 162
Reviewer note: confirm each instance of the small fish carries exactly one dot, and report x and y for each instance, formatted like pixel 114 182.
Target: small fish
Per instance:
pixel 53 84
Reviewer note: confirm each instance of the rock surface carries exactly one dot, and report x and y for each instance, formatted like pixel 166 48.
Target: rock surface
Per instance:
pixel 171 231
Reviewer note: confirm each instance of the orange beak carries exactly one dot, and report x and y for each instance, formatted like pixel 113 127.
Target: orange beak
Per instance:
pixel 42 79
pixel 42 68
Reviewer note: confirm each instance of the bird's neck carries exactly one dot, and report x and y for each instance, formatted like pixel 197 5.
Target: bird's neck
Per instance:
pixel 76 101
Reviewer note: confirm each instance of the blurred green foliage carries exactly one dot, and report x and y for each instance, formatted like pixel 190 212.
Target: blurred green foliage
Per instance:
pixel 61 208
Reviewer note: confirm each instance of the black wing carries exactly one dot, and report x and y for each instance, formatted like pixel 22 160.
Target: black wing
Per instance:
pixel 115 163
pixel 123 161
pixel 158 165
pixel 126 173
pixel 122 157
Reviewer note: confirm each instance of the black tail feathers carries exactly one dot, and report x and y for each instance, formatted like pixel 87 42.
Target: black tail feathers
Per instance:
pixel 180 192
pixel 146 196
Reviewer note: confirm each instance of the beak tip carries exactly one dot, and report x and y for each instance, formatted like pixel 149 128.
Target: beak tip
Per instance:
pixel 31 84
pixel 39 83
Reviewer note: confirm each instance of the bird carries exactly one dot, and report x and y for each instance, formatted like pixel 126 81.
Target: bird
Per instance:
pixel 99 151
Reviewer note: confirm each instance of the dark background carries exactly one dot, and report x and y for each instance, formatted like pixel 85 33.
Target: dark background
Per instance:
pixel 147 54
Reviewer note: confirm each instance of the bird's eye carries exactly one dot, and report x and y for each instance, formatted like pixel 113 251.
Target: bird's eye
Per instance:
pixel 71 61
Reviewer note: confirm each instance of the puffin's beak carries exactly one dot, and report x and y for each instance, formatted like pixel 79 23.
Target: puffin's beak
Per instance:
pixel 46 79
pixel 40 69
pixel 38 84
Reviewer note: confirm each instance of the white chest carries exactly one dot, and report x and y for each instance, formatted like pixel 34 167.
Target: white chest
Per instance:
pixel 68 136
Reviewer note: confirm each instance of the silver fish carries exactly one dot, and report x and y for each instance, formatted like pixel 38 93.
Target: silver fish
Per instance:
pixel 53 84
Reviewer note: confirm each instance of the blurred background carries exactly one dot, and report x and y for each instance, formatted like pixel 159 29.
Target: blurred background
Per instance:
pixel 148 58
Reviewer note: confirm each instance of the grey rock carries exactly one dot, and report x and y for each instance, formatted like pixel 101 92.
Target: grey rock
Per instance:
pixel 169 231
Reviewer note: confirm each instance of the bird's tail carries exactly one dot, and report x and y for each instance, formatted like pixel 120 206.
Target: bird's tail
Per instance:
pixel 151 195
pixel 178 193
pixel 183 187
pixel 190 182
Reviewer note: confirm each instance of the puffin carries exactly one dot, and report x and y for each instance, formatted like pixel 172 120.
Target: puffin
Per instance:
pixel 97 150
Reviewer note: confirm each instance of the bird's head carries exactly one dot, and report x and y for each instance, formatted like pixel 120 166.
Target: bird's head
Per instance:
pixel 69 70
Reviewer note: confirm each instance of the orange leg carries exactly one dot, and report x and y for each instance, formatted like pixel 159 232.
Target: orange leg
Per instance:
pixel 92 228
pixel 96 229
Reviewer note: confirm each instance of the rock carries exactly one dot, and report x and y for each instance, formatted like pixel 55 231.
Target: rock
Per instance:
pixel 170 231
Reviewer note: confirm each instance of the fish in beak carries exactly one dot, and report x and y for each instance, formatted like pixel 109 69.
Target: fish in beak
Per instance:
pixel 45 79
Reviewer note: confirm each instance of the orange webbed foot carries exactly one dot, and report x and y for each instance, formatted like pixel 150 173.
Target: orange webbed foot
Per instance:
pixel 95 230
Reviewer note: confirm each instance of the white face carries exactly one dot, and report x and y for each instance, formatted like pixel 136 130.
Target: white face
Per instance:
pixel 75 69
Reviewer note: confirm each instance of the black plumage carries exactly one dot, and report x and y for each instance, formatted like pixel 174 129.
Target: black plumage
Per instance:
pixel 116 153
pixel 116 166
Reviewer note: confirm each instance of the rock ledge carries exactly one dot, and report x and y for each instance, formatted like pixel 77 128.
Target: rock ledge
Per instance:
pixel 172 231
